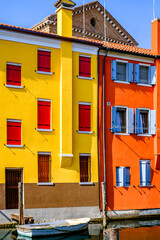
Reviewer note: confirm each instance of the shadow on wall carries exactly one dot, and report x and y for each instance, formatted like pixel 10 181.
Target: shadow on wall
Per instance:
pixel 5 216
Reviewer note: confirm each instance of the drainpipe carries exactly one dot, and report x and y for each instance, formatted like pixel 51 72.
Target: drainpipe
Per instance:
pixel 104 192
pixel 98 122
pixel 104 183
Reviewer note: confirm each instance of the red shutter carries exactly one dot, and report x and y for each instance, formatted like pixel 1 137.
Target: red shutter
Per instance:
pixel 17 75
pixel 40 114
pixel 84 118
pixel 13 75
pixel 88 118
pixel 17 133
pixel 43 168
pixel 13 133
pixel 81 118
pixel 10 133
pixel 47 61
pixel 84 66
pixel 44 61
pixel 44 115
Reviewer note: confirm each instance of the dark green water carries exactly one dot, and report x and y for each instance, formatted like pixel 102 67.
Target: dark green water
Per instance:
pixel 129 230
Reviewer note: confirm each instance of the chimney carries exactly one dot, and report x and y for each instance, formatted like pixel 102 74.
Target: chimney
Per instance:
pixel 64 17
pixel 155 37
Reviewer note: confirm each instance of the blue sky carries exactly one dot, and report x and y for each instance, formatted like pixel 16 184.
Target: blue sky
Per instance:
pixel 134 15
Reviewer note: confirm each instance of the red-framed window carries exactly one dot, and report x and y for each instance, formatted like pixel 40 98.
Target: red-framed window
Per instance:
pixel 13 132
pixel 44 114
pixel 85 169
pixel 44 61
pixel 84 66
pixel 44 168
pixel 13 75
pixel 84 117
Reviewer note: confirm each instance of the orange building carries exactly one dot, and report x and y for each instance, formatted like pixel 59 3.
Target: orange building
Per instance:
pixel 129 130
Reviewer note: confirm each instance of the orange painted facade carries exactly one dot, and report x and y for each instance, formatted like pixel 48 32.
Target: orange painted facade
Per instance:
pixel 126 150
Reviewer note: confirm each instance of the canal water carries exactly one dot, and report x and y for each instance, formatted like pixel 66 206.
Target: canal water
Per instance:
pixel 128 230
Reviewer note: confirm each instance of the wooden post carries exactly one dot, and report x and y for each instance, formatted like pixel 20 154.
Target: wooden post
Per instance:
pixel 104 204
pixel 20 202
pixel 113 234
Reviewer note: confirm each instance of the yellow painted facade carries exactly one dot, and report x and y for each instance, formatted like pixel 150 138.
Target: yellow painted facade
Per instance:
pixel 65 90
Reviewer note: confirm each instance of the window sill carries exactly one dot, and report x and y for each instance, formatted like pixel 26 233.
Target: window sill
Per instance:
pixel 44 130
pixel 125 134
pixel 123 186
pixel 144 85
pixel 144 135
pixel 14 146
pixel 45 184
pixel 85 132
pixel 150 186
pixel 116 81
pixel 47 73
pixel 86 78
pixel 13 86
pixel 86 183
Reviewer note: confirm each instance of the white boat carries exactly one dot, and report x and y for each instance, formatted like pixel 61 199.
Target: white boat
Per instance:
pixel 53 228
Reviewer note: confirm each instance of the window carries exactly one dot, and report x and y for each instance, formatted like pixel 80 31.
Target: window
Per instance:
pixel 84 66
pixel 44 168
pixel 122 120
pixel 85 117
pixel 44 61
pixel 145 121
pixel 85 169
pixel 13 132
pixel 121 71
pixel 13 75
pixel 122 176
pixel 145 173
pixel 144 74
pixel 44 114
pixel 93 22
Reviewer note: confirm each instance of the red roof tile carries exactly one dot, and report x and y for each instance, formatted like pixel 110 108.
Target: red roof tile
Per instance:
pixel 109 45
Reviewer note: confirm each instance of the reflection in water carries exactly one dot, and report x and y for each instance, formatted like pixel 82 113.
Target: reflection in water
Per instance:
pixel 132 230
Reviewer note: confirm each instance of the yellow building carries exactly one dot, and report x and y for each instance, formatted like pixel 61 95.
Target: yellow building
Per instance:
pixel 48 119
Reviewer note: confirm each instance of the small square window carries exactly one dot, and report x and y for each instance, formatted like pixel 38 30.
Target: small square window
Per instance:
pixel 121 120
pixel 144 122
pixel 144 74
pixel 85 169
pixel 121 72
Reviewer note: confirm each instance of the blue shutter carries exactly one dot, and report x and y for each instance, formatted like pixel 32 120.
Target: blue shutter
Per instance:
pixel 130 72
pixel 136 73
pixel 149 74
pixel 130 120
pixel 152 122
pixel 126 176
pixel 137 120
pixel 148 173
pixel 140 165
pixel 119 176
pixel 113 70
pixel 153 75
pixel 143 173
pixel 113 124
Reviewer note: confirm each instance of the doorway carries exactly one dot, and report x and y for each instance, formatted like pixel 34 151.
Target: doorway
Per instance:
pixel 13 176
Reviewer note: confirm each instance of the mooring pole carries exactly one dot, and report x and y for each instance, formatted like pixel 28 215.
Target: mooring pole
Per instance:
pixel 113 234
pixel 104 204
pixel 20 202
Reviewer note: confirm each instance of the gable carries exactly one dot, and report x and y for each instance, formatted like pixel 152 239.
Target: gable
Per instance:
pixel 94 25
